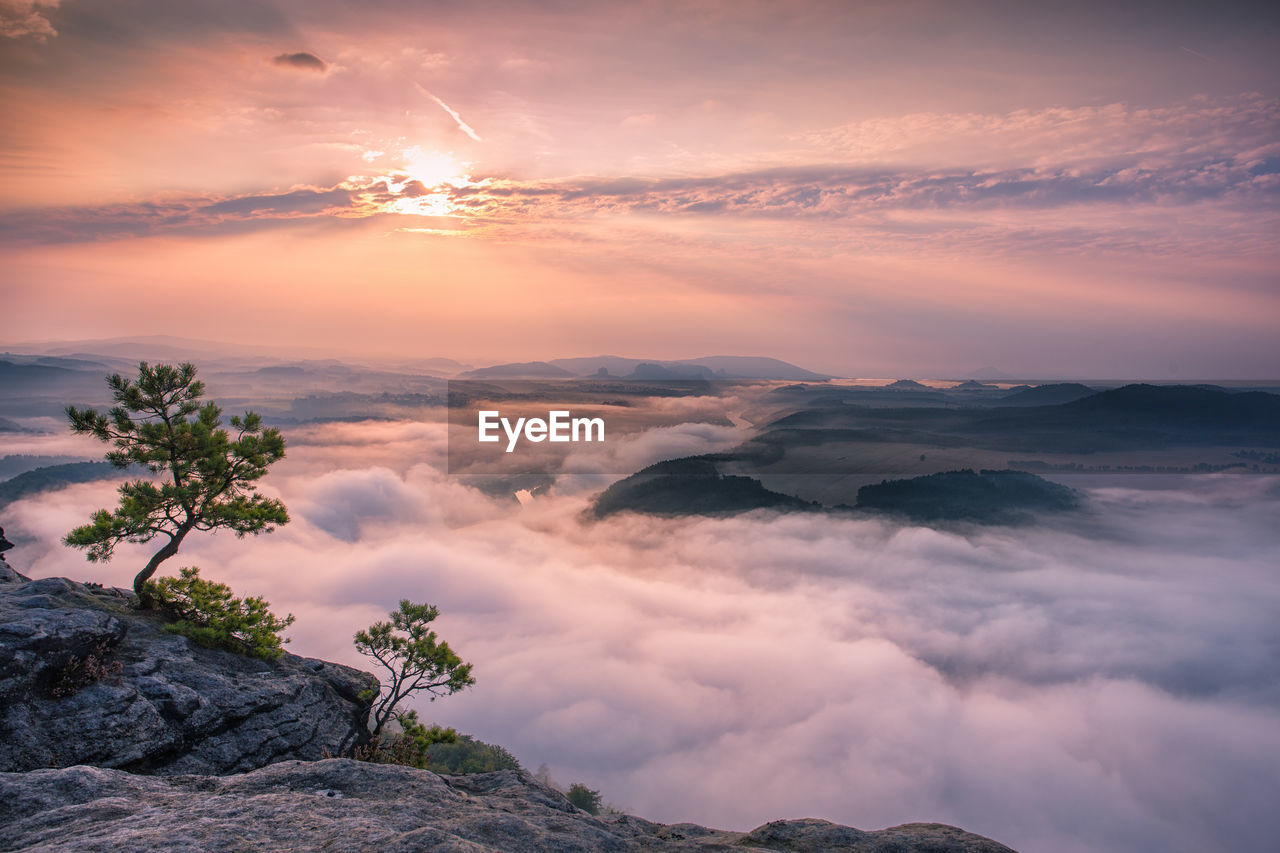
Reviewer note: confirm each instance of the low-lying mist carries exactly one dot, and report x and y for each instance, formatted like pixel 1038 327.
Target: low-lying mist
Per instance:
pixel 1104 681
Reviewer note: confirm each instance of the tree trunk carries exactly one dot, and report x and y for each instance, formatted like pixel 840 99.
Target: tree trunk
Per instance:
pixel 139 582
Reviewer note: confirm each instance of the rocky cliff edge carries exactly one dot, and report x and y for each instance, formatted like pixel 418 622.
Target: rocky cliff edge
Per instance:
pixel 343 806
pixel 152 701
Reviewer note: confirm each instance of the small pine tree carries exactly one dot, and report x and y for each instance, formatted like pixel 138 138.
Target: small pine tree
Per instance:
pixel 407 648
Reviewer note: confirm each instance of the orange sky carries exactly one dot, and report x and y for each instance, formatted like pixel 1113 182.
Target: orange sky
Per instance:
pixel 1082 190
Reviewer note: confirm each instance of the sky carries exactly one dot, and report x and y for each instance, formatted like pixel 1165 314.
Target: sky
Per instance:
pixel 867 189
pixel 914 188
pixel 1106 681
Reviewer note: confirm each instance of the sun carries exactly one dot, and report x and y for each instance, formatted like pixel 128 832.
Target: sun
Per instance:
pixel 437 172
pixel 433 168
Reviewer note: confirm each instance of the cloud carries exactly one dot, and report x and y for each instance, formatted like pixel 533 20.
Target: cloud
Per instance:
pixel 843 196
pixel 307 201
pixel 1104 683
pixel 121 29
pixel 1117 135
pixel 835 193
pixel 186 214
pixel 1027 181
pixel 301 62
pixel 27 19
pixel 462 125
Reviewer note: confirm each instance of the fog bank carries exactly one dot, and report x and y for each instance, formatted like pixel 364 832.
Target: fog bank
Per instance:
pixel 1104 682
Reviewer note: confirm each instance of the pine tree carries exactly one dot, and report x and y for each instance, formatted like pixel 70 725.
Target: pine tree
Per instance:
pixel 208 477
pixel 407 648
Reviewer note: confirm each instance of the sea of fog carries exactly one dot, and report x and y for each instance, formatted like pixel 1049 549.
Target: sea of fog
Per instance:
pixel 1108 681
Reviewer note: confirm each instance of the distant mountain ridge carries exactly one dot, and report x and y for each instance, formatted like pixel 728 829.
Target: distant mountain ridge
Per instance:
pixel 1133 417
pixel 50 477
pixel 711 367
pixel 986 497
pixel 1048 395
pixel 1191 404
pixel 518 370
pixel 692 485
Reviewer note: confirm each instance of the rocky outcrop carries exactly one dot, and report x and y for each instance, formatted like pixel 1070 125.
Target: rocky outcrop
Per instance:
pixel 87 679
pixel 984 497
pixel 341 805
pixel 692 485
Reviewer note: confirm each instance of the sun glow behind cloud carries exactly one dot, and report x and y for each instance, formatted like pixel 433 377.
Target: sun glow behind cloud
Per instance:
pixel 433 174
pixel 433 168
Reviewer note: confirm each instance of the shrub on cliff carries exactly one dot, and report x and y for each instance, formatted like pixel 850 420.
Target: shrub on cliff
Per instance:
pixel 584 798
pixel 79 671
pixel 410 746
pixel 468 755
pixel 208 613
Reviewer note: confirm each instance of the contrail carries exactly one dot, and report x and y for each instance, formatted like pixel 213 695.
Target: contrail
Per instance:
pixel 462 125
pixel 1181 47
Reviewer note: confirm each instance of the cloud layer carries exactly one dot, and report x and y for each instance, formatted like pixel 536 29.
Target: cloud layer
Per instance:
pixel 1070 159
pixel 301 62
pixel 1103 683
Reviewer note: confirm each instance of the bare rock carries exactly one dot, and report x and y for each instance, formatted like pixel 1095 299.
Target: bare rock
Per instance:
pixel 341 805
pixel 151 701
pixel 7 574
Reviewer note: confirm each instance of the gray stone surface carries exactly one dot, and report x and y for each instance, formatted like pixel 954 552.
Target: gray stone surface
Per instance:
pixel 341 805
pixel 172 706
pixel 7 574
